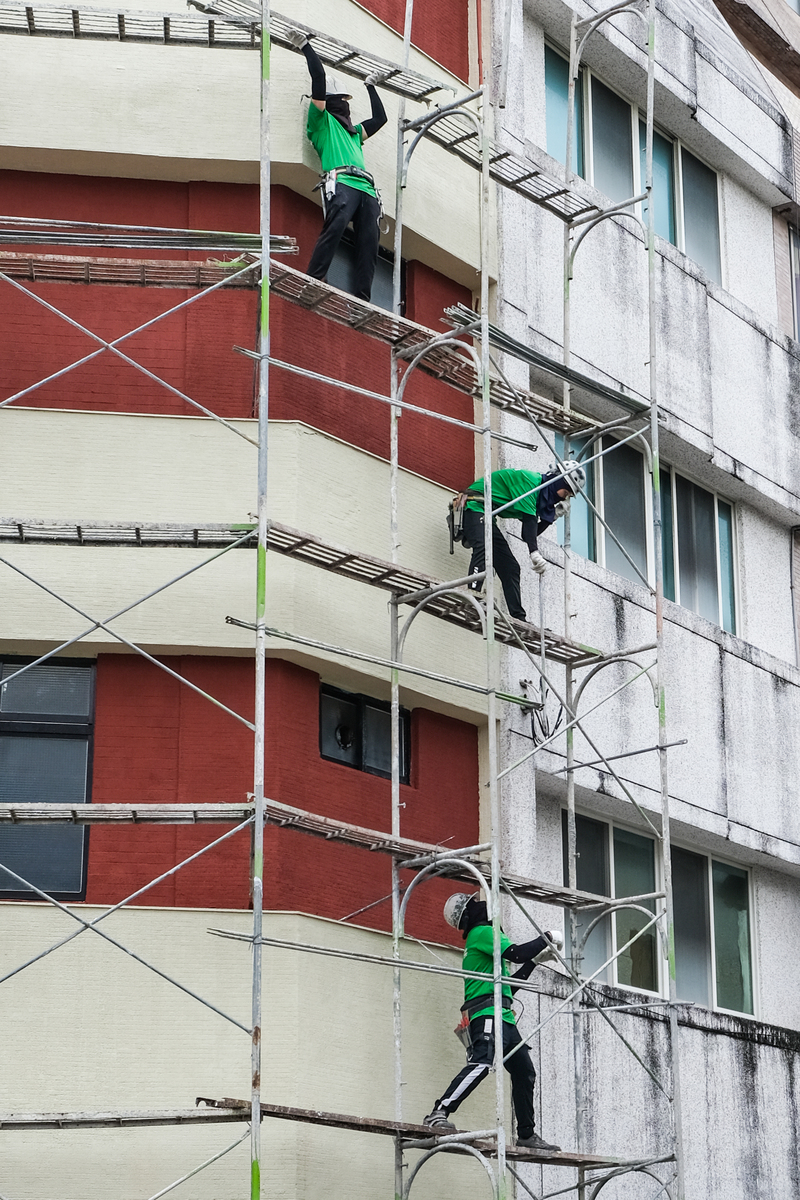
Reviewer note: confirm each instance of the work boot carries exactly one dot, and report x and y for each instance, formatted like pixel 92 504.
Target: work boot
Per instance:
pixel 534 1142
pixel 438 1120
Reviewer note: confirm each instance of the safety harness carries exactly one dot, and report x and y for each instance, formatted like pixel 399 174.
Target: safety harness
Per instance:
pixel 328 181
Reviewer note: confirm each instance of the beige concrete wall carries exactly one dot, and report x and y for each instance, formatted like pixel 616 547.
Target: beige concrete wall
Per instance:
pixel 192 113
pixel 85 467
pixel 87 1029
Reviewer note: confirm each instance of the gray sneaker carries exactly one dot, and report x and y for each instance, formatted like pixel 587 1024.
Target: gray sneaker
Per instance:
pixel 534 1142
pixel 438 1120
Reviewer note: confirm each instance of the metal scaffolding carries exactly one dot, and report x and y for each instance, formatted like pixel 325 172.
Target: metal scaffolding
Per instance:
pixel 463 127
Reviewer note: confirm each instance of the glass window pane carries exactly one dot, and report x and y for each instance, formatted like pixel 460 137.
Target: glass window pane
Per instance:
pixel 634 875
pixel 663 182
pixel 556 86
pixel 611 143
pixel 49 689
pixel 41 770
pixel 338 729
pixel 667 544
pixel 794 243
pixel 581 529
pixel 378 741
pixel 692 933
pixel 732 938
pixel 624 511
pixel 592 876
pixel 697 549
pixel 725 527
pixel 701 215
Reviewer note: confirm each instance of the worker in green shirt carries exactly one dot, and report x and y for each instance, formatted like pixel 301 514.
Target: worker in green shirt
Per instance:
pixel 535 500
pixel 468 913
pixel 348 190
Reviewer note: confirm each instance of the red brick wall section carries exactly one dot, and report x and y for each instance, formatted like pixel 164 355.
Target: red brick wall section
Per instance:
pixel 440 452
pixel 192 350
pixel 156 741
pixel 439 27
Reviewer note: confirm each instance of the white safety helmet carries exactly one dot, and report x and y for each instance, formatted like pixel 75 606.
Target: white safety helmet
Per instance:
pixel 455 907
pixel 335 87
pixel 574 475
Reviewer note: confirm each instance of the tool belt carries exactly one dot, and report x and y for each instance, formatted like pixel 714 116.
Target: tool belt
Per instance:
pixel 455 515
pixel 329 179
pixel 485 1000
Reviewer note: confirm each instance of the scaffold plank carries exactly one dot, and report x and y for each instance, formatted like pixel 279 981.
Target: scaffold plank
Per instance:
pixel 39 231
pixel 124 814
pixel 458 135
pixel 122 1119
pixel 332 52
pixel 81 23
pixel 454 606
pixel 407 849
pixel 444 362
pixel 412 1132
pixel 124 272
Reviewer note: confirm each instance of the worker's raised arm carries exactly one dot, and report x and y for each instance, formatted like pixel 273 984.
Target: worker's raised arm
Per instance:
pixel 378 118
pixel 316 70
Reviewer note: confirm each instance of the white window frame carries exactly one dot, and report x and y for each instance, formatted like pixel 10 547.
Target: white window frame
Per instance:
pixel 676 550
pixel 710 859
pixel 588 75
pixel 751 913
pixel 611 825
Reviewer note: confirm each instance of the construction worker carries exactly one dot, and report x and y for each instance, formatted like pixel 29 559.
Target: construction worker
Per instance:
pixel 468 913
pixel 535 506
pixel 348 190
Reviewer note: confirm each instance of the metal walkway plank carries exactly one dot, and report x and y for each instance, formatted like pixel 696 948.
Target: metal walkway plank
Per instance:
pixel 454 607
pixel 445 362
pixel 124 25
pixel 124 814
pixel 41 231
pixel 124 272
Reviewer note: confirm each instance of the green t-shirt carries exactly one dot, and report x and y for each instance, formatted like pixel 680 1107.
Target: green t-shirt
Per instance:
pixel 336 147
pixel 508 485
pixel 479 956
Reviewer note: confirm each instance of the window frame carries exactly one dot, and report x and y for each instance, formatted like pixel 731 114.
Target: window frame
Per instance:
pixel 611 928
pixel 58 726
pixel 587 75
pixel 362 701
pixel 658 862
pixel 676 550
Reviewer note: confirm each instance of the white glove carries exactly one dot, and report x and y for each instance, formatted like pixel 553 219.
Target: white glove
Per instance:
pixel 557 940
pixel 538 562
pixel 375 78
pixel 297 39
pixel 562 508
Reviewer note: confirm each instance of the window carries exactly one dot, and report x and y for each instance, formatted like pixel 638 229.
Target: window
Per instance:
pixel 685 192
pixel 698 549
pixel 357 731
pixel 556 82
pixel 616 862
pixel 342 272
pixel 697 525
pixel 46 718
pixel 794 244
pixel 712 916
pixel 712 932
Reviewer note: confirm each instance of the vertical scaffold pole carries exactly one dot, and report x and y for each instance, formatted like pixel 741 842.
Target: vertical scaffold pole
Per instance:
pixel 394 470
pixel 261 640
pixel 491 646
pixel 577 1033
pixel 658 537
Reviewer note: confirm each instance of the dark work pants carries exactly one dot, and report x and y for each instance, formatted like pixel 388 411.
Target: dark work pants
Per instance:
pixel 505 564
pixel 349 204
pixel 481 1058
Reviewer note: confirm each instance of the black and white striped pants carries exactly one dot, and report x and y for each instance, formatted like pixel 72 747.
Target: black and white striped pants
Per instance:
pixel 481 1058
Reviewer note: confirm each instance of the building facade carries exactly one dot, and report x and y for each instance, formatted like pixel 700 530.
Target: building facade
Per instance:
pixel 167 136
